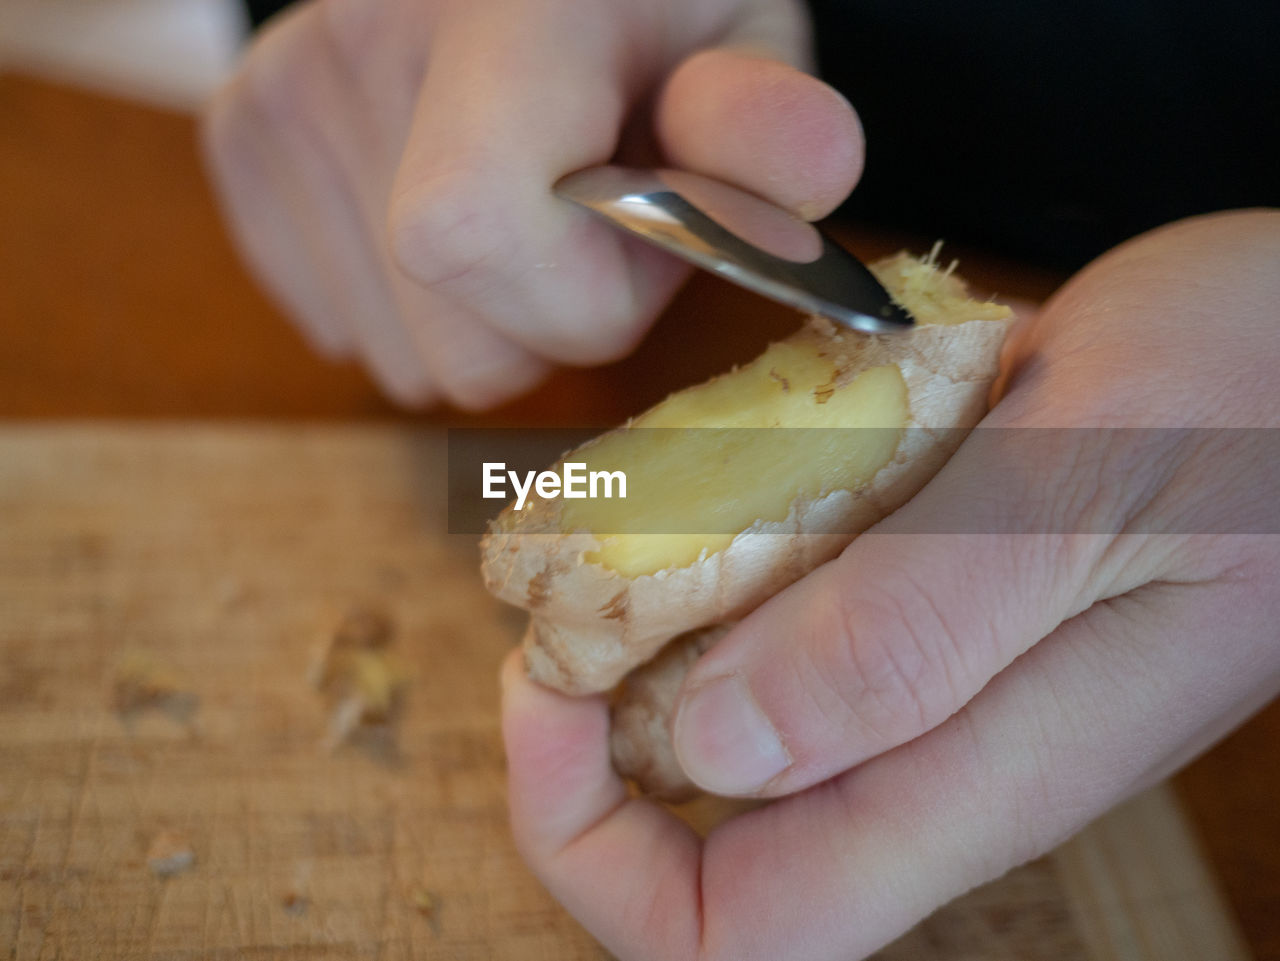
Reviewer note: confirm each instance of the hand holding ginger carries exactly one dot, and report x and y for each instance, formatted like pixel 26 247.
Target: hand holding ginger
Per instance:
pixel 934 708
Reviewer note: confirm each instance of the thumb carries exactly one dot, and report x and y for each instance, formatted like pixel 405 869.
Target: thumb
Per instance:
pixel 737 114
pixel 898 633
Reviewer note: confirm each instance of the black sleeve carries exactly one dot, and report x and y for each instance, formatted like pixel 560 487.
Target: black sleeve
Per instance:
pixel 259 10
pixel 1054 131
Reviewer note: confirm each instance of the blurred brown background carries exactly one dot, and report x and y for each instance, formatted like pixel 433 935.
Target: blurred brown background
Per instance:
pixel 120 297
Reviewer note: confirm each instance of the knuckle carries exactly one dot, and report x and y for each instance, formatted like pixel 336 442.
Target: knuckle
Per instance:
pixel 506 258
pixel 442 236
pixel 898 653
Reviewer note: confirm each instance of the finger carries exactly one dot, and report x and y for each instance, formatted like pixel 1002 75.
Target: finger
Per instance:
pixel 1109 702
pixel 760 123
pixel 1106 705
pixel 381 52
pixel 261 206
pixel 335 160
pixel 517 94
pixel 914 618
pixel 616 863
pixel 331 191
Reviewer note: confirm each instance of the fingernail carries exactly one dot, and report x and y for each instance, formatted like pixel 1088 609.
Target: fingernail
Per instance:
pixel 724 741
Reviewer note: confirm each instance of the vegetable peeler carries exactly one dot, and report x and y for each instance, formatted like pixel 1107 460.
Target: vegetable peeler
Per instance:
pixel 740 237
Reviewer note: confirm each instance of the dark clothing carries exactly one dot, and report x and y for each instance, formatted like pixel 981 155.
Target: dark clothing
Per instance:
pixel 259 10
pixel 1052 131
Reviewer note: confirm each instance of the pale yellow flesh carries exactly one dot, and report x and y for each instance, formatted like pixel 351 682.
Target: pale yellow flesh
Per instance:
pixel 701 487
pixel 691 491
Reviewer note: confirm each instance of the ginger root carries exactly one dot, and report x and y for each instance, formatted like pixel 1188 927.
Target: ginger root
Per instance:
pixel 643 714
pixel 609 582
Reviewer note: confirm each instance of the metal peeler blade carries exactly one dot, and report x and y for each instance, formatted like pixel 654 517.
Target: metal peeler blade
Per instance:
pixel 741 237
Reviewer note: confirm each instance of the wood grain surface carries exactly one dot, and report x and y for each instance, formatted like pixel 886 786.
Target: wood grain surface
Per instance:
pixel 121 297
pixel 225 557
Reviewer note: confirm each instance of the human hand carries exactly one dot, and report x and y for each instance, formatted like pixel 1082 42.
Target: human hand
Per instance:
pixel 386 166
pixel 948 705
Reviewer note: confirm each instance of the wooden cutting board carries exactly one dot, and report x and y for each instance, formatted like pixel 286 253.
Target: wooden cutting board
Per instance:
pixel 223 557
